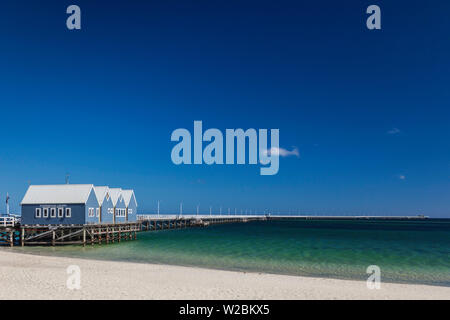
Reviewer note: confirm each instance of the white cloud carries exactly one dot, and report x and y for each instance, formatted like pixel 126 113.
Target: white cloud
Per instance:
pixel 394 131
pixel 283 152
pixel 401 177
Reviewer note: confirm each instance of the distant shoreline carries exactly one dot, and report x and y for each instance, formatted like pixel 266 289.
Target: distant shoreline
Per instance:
pixel 30 276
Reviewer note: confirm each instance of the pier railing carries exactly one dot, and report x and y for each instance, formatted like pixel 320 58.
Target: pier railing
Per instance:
pixel 142 217
pixel 8 221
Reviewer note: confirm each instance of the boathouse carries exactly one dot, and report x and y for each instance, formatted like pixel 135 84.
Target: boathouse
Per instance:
pixel 130 204
pixel 59 204
pixel 119 211
pixel 77 204
pixel 105 204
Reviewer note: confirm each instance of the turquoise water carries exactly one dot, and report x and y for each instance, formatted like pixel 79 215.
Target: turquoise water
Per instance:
pixel 406 251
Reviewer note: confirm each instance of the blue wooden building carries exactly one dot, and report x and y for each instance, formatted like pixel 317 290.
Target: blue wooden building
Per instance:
pixel 76 204
pixel 130 204
pixel 119 205
pixel 105 204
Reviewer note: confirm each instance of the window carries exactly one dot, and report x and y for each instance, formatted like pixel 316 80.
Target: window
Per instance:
pixel 68 212
pixel 120 212
pixel 60 212
pixel 130 211
pixel 91 212
pixel 97 212
pixel 45 213
pixel 53 212
pixel 38 213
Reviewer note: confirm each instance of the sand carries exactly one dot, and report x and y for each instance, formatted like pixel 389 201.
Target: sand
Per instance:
pixel 25 276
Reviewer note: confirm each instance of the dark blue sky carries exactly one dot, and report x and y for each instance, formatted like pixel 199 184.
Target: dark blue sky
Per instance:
pixel 367 110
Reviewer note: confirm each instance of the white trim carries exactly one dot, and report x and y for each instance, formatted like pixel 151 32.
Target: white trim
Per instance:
pixel 52 212
pixel 68 212
pixel 120 212
pixel 45 212
pixel 38 212
pixel 97 212
pixel 60 212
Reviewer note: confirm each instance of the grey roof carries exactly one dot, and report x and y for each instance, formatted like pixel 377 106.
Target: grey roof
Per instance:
pixel 115 193
pixel 127 196
pixel 55 194
pixel 100 193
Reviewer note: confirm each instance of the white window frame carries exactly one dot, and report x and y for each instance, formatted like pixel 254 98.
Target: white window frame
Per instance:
pixel 91 212
pixel 45 212
pixel 52 212
pixel 60 210
pixel 97 212
pixel 38 213
pixel 120 212
pixel 130 211
pixel 68 212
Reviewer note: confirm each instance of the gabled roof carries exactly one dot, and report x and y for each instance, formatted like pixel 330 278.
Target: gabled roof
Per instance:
pixel 115 193
pixel 100 193
pixel 127 196
pixel 57 194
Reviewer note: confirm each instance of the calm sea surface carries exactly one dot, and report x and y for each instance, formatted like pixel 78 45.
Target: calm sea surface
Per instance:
pixel 406 251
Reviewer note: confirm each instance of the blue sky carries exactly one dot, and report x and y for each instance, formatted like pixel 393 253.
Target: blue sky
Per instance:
pixel 367 110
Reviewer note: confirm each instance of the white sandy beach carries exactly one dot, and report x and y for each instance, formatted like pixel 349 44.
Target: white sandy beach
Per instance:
pixel 26 276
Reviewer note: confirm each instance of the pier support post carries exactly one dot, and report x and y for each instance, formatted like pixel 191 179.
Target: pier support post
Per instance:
pixel 53 237
pixel 22 236
pixel 11 238
pixel 84 237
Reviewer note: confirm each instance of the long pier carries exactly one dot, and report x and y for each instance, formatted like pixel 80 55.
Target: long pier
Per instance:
pixel 15 234
pixel 12 233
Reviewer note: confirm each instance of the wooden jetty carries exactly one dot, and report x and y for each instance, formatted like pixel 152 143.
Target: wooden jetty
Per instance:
pixel 12 233
pixel 15 234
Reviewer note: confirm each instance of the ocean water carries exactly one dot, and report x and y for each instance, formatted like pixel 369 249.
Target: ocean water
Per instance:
pixel 406 251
